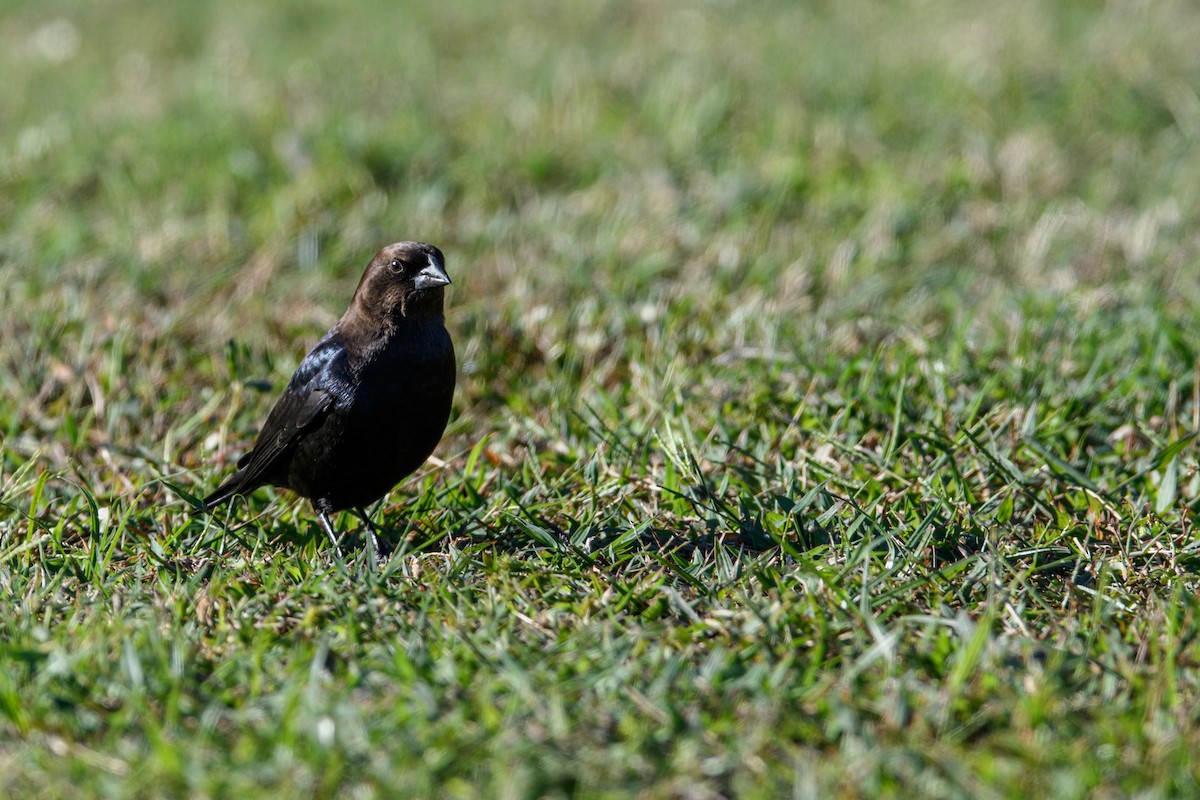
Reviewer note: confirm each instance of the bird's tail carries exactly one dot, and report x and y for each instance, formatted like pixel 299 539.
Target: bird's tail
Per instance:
pixel 224 492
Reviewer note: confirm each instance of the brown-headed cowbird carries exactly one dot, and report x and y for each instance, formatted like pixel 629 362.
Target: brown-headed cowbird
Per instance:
pixel 370 401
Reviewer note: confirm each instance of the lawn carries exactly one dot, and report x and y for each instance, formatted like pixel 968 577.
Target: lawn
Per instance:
pixel 829 379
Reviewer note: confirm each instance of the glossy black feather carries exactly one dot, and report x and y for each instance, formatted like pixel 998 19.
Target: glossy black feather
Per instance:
pixel 311 393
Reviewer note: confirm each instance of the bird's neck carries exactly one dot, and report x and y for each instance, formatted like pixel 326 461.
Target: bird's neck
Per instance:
pixel 366 333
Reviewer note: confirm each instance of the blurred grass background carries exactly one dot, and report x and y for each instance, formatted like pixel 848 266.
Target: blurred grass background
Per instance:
pixel 828 378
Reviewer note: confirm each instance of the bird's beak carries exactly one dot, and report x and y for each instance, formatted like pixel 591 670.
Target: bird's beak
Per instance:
pixel 433 275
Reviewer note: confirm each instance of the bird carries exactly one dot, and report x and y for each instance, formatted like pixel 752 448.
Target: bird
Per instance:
pixel 369 402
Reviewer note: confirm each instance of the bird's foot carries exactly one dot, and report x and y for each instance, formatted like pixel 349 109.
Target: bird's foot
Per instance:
pixel 323 515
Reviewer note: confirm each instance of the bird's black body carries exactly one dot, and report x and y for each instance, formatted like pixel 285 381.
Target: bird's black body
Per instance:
pixel 370 401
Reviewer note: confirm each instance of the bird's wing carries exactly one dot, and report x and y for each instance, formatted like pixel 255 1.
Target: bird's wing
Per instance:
pixel 304 403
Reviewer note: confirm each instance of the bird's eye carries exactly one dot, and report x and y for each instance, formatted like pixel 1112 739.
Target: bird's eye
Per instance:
pixel 396 265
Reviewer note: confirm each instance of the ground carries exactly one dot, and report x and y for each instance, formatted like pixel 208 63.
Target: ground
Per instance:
pixel 828 383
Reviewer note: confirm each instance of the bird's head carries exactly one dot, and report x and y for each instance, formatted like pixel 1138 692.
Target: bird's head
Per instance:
pixel 404 280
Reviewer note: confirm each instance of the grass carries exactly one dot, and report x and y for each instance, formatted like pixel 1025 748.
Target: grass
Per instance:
pixel 825 426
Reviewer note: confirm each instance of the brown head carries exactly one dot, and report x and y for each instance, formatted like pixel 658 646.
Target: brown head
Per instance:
pixel 404 282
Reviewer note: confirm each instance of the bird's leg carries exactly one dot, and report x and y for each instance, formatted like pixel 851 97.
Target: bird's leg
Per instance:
pixel 323 515
pixel 372 534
